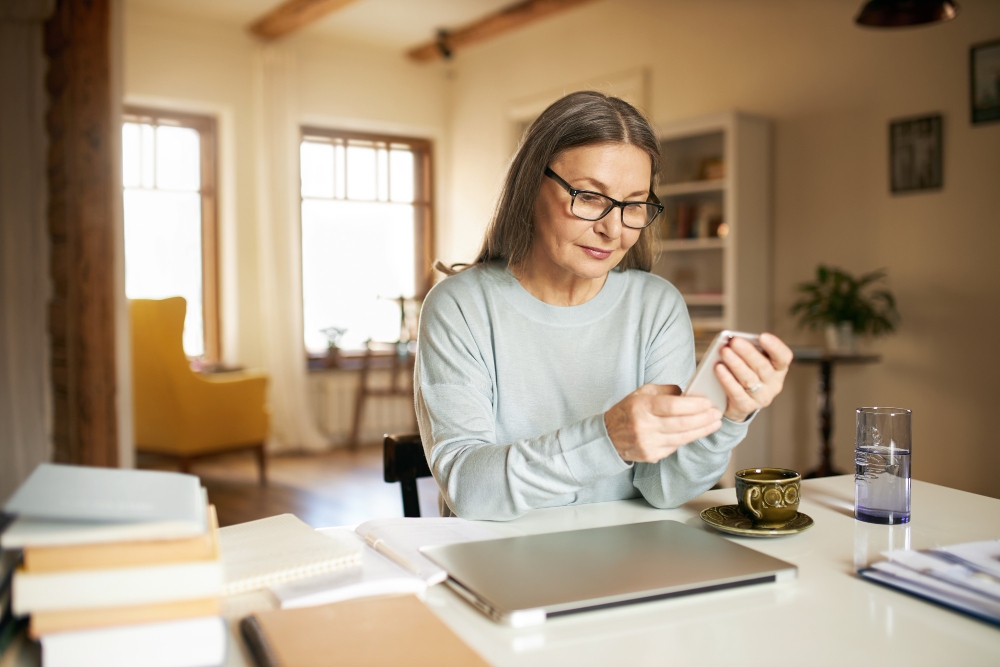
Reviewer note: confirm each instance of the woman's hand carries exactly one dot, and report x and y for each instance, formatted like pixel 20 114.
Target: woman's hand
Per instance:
pixel 752 380
pixel 654 421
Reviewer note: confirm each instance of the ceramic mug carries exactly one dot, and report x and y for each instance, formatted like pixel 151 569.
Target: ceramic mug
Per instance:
pixel 768 496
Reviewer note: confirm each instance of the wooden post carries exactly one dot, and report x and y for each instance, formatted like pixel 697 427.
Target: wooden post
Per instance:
pixel 81 228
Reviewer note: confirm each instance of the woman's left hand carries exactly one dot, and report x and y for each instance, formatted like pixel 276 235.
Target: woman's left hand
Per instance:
pixel 751 379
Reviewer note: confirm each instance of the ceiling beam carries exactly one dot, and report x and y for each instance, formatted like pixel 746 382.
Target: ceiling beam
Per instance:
pixel 293 15
pixel 503 20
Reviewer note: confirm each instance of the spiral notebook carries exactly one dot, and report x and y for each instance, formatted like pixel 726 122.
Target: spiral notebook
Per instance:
pixel 258 554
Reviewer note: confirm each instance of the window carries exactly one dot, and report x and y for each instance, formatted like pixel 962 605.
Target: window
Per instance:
pixel 168 174
pixel 366 233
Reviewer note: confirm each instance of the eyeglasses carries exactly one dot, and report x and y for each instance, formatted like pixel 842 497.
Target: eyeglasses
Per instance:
pixel 588 205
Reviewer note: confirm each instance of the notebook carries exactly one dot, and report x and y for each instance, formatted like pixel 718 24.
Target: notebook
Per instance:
pixel 258 554
pixel 387 631
pixel 963 577
pixel 376 575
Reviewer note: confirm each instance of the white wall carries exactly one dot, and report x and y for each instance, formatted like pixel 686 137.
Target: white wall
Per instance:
pixel 831 89
pixel 195 65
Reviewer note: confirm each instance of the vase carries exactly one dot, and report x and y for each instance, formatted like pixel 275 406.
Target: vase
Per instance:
pixel 839 338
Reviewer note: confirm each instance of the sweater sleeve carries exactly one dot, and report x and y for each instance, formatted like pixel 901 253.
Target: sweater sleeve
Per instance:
pixel 481 478
pixel 697 466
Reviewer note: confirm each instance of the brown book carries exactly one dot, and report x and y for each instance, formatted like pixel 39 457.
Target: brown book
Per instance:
pixel 372 631
pixel 47 622
pixel 111 555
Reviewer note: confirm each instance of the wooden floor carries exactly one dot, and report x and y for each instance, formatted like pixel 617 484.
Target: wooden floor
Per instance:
pixel 338 488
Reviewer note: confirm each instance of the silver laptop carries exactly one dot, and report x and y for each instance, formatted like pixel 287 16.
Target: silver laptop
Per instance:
pixel 521 581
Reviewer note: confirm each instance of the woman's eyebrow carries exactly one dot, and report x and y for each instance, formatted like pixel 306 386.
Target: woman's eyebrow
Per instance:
pixel 603 188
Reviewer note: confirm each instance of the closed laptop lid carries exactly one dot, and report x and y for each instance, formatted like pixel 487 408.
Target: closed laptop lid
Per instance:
pixel 594 567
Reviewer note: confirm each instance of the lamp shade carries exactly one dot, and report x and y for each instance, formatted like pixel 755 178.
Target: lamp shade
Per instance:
pixel 901 13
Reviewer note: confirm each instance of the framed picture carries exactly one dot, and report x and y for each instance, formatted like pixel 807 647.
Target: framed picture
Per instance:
pixel 915 150
pixel 984 74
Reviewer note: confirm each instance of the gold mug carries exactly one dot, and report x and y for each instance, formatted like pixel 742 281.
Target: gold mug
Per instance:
pixel 768 496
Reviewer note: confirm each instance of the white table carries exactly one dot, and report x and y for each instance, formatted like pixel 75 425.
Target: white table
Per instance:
pixel 828 616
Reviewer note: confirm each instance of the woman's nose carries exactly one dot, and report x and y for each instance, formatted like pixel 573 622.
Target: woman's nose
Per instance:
pixel 611 224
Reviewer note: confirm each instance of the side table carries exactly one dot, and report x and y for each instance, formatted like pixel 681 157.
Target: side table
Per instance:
pixel 826 361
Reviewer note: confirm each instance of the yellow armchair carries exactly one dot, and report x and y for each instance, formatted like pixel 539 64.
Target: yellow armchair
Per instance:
pixel 182 414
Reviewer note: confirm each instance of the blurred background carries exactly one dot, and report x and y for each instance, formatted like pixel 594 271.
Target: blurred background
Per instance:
pixel 293 169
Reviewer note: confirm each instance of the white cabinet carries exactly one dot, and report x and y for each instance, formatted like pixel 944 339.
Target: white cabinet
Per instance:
pixel 714 238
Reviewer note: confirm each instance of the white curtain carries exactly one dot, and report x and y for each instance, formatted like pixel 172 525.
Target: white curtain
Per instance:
pixel 279 238
pixel 25 408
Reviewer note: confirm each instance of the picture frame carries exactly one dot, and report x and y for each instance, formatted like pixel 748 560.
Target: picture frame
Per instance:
pixel 984 82
pixel 916 149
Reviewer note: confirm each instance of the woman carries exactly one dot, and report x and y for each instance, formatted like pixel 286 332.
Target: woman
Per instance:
pixel 548 373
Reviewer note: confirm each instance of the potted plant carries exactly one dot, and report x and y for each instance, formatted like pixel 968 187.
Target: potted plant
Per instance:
pixel 844 306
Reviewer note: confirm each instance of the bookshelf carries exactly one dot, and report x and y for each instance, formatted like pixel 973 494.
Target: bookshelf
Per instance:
pixel 714 238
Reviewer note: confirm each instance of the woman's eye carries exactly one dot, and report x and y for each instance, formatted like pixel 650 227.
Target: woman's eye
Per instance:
pixel 589 197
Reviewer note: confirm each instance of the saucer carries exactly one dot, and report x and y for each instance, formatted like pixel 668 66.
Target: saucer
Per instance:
pixel 729 519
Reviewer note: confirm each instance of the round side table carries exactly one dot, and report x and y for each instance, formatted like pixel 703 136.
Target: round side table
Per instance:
pixel 826 361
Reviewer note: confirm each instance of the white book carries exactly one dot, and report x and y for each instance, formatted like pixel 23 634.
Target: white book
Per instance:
pixel 258 554
pixel 400 540
pixel 374 575
pixel 119 587
pixel 192 642
pixel 62 504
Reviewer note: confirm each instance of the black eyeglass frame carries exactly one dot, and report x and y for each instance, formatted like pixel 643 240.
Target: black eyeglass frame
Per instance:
pixel 614 202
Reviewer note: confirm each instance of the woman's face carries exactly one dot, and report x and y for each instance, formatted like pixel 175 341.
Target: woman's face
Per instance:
pixel 589 249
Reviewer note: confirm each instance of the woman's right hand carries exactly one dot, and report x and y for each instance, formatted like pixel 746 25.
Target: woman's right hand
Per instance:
pixel 654 421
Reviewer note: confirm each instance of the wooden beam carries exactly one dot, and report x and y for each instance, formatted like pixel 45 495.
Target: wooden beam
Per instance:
pixel 293 15
pixel 82 189
pixel 503 20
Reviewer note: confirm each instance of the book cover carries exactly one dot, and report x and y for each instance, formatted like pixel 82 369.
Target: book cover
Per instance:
pixel 355 632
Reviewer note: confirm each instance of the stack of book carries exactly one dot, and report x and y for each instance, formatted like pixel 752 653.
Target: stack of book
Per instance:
pixel 964 577
pixel 119 567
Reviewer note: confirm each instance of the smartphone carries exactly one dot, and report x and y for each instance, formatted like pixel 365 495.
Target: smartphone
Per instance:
pixel 705 383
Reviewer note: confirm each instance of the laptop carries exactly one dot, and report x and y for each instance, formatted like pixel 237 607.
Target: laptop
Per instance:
pixel 521 581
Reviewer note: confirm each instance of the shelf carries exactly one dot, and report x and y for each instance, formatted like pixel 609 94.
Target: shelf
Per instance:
pixel 690 188
pixel 671 245
pixel 704 299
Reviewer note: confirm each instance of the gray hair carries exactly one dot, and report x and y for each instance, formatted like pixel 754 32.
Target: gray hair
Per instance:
pixel 578 119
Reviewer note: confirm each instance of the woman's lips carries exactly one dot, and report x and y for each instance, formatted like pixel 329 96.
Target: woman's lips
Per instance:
pixel 596 253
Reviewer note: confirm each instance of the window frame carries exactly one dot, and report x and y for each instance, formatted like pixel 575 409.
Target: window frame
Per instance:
pixel 207 128
pixel 423 201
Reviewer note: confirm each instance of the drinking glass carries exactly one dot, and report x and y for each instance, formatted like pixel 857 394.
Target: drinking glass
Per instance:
pixel 882 465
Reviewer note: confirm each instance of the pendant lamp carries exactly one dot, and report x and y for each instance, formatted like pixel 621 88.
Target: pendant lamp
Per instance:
pixel 902 13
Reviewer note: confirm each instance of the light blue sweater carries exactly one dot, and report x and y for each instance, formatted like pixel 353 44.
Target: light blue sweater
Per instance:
pixel 510 394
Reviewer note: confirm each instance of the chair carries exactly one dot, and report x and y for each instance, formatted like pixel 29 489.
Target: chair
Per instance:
pixel 403 461
pixel 400 355
pixel 181 414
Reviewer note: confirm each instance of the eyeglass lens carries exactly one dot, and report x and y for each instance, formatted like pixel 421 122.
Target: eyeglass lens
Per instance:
pixel 592 206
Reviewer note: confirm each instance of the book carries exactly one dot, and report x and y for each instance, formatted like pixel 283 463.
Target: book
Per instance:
pixel 107 555
pixel 964 577
pixel 374 631
pixel 115 495
pixel 194 642
pixel 400 540
pixel 65 505
pixel 376 575
pixel 261 553
pixel 119 587
pixel 47 622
